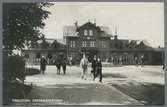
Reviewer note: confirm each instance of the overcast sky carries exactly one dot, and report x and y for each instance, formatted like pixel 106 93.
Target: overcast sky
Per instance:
pixel 144 21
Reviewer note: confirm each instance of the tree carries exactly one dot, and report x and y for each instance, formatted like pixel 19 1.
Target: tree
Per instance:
pixel 22 23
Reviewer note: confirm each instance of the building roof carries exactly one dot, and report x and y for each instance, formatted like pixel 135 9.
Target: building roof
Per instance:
pixel 50 41
pixel 69 31
pixel 159 49
pixel 72 30
pixel 135 42
pixel 105 29
pixel 138 42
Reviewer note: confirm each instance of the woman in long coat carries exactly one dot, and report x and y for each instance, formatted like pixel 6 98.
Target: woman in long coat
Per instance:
pixel 94 62
pixel 43 63
pixel 58 65
pixel 64 63
pixel 99 69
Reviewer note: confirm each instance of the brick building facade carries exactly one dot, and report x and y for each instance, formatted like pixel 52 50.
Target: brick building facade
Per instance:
pixel 94 40
pixel 89 39
pixel 97 40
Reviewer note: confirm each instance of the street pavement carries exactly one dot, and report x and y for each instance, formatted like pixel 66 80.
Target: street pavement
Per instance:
pixel 70 89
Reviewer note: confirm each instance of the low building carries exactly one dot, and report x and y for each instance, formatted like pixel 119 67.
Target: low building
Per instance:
pixel 51 49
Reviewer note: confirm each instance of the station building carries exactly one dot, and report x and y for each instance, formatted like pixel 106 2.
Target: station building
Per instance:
pixel 91 39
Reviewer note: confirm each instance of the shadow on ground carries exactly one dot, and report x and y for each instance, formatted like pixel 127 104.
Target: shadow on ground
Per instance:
pixel 106 75
pixel 148 94
pixel 68 93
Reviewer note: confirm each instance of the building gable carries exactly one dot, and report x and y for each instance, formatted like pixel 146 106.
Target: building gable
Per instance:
pixel 88 29
pixel 92 30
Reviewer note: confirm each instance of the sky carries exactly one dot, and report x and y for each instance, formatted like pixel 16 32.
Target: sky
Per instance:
pixel 135 20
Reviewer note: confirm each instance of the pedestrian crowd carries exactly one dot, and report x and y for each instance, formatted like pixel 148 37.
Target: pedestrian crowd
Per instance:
pixel 59 63
pixel 96 66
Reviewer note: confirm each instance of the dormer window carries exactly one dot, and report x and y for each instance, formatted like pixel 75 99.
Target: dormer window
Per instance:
pixel 90 32
pixel 85 32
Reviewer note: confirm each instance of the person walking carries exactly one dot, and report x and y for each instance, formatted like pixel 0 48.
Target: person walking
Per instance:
pixel 84 64
pixel 43 63
pixel 64 63
pixel 142 60
pixel 136 60
pixel 93 71
pixel 99 69
pixel 58 65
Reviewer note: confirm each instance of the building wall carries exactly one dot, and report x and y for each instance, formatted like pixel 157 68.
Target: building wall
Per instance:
pixel 101 44
pixel 106 49
pixel 33 59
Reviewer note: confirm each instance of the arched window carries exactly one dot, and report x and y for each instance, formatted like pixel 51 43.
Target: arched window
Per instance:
pixel 91 32
pixel 85 32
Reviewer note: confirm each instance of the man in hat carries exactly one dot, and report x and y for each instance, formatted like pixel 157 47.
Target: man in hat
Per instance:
pixel 98 69
pixel 43 63
pixel 93 71
pixel 64 63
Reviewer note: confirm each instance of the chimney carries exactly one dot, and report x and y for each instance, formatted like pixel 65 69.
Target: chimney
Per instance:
pixel 115 37
pixel 116 34
pixel 76 24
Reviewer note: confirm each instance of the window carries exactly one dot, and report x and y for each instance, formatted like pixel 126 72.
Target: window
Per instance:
pixel 72 44
pixel 103 44
pixel 92 43
pixel 85 32
pixel 90 32
pixel 83 43
pixel 50 55
pixel 38 55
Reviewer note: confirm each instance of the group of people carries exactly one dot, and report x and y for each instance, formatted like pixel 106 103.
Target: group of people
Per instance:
pixel 139 61
pixel 96 67
pixel 60 63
